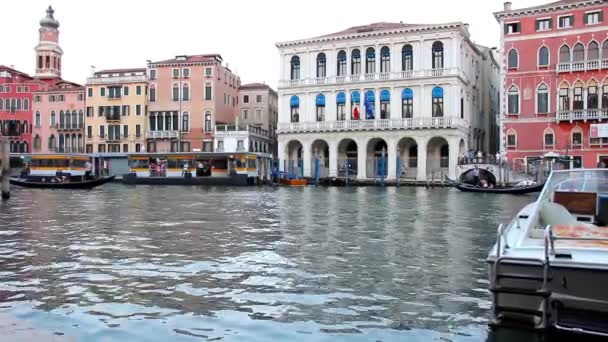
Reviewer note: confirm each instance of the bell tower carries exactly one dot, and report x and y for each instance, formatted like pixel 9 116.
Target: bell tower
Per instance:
pixel 48 51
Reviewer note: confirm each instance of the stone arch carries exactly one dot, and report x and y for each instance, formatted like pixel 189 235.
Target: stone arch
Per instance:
pixel 437 154
pixel 407 148
pixel 294 154
pixel 374 150
pixel 348 154
pixel 320 148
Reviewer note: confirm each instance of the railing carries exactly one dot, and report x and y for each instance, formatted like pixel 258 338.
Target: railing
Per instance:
pixel 232 130
pixel 115 79
pixel 384 76
pixel 582 114
pixel 114 117
pixel 163 134
pixel 380 124
pixel 586 65
pixel 113 138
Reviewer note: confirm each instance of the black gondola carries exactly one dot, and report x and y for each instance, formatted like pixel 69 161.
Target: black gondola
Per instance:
pixel 71 184
pixel 515 190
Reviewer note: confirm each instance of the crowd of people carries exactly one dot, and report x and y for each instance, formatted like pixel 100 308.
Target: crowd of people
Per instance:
pixel 479 157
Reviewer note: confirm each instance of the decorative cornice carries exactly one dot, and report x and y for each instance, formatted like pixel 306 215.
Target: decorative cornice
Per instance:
pixel 181 64
pixel 549 8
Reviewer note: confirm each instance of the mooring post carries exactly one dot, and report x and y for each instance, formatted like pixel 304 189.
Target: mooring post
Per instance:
pixel 346 164
pixel 398 174
pixel 317 169
pixel 382 166
pixel 5 171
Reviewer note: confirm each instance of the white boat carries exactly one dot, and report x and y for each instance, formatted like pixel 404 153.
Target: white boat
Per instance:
pixel 549 266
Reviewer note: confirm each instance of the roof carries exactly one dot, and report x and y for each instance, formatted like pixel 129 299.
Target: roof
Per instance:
pixel 255 86
pixel 552 6
pixel 382 26
pixel 15 71
pixel 120 71
pixel 191 58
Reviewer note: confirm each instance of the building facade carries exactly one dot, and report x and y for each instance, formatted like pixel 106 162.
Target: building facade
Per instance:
pixel 188 96
pixel 116 111
pixel 16 108
pixel 554 87
pixel 259 107
pixel 406 91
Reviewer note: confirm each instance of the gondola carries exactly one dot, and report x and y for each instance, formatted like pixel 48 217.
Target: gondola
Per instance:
pixel 515 190
pixel 86 184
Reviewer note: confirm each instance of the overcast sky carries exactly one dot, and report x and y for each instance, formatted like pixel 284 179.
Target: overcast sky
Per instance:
pixel 126 33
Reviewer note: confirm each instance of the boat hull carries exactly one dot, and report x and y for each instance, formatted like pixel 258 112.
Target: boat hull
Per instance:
pixel 293 182
pixel 513 190
pixel 87 184
pixel 239 180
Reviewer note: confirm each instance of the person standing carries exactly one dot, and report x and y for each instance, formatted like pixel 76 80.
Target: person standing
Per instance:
pixel 476 176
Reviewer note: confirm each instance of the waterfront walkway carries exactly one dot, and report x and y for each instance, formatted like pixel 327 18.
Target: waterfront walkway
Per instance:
pixel 19 330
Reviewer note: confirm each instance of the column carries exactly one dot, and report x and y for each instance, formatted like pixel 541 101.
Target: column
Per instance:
pixel 395 104
pixel 361 158
pixel 391 146
pixel 454 146
pixel 376 103
pixel 307 158
pixel 333 158
pixel 281 155
pixel 421 170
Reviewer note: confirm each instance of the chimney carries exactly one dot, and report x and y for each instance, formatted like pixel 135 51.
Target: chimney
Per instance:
pixel 507 6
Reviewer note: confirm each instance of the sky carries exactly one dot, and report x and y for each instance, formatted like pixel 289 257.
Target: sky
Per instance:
pixel 112 34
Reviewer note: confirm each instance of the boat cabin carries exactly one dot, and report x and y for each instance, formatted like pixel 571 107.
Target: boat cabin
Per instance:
pixel 73 165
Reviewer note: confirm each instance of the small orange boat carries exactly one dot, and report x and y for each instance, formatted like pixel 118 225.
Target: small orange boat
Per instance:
pixel 292 182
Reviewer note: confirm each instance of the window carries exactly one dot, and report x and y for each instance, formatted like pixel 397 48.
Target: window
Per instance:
pixel 125 148
pixel 101 148
pixel 246 99
pixel 355 63
pixel 593 51
pixel 370 105
pixel 407 103
pixel 295 68
pixel 207 121
pixel 385 104
pixel 512 28
pixel 578 53
pixel 341 63
pixel 438 55
pixel 341 106
pixel 605 97
pixel 462 108
pixel 37 142
pixel 355 101
pixel 52 142
pixel 37 120
pixel 125 90
pixel 240 146
pixel 513 101
pixel 152 93
pixel 90 132
pixel 26 104
pixel 102 91
pixel 175 92
pixel 80 119
pixel 175 73
pixel 320 102
pixel 542 99
pixel 102 131
pixel 208 91
pixel 564 54
pixel 577 162
pixel 294 104
pixel 126 110
pixel 511 138
pixel 125 131
pixel 186 72
pixel 80 97
pixel 592 98
pixel 512 59
pixel 258 114
pixel 548 138
pixel 138 90
pixel 437 95
pixel 185 122
pixel 245 114
pixel 220 145
pixel 37 98
pixel 544 24
pixel 185 91
pixel 543 57
pixel 565 21
pixel 321 65
pixel 593 18
pixel 370 61
pixel 407 62
pixel 385 59
pixel 577 137
pixel 577 102
pixel 53 119
pixel 152 74
pixel 208 72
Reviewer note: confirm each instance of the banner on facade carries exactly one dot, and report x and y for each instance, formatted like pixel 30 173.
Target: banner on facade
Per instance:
pixel 599 131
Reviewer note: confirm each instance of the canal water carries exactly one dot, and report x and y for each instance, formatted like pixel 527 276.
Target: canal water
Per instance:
pixel 143 263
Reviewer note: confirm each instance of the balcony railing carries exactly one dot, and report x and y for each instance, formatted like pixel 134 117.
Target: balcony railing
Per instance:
pixel 234 130
pixel 373 125
pixel 113 117
pixel 163 134
pixel 587 65
pixel 582 115
pixel 384 76
pixel 71 127
pixel 115 79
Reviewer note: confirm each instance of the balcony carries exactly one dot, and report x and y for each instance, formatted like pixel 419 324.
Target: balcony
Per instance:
pixel 115 79
pixel 582 115
pixel 588 65
pixel 163 134
pixel 113 138
pixel 241 130
pixel 383 76
pixel 71 127
pixel 373 125
pixel 113 118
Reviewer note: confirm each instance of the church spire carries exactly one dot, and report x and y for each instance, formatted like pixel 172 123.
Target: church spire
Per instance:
pixel 48 51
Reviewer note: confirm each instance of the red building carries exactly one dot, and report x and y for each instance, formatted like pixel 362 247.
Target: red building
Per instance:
pixel 16 108
pixel 554 81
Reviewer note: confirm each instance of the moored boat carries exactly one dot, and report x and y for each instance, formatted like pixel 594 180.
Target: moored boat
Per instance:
pixel 67 184
pixel 514 190
pixel 549 266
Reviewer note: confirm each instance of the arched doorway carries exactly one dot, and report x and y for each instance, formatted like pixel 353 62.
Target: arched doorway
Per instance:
pixel 437 156
pixel 320 148
pixel 347 158
pixel 293 159
pixel 408 156
pixel 374 167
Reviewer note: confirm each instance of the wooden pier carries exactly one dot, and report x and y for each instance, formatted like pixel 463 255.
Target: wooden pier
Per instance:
pixel 5 168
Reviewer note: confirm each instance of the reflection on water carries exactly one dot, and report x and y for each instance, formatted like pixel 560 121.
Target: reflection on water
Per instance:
pixel 251 264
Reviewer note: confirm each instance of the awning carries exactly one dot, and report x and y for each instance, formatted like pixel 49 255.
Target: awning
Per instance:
pixel 355 97
pixel 320 100
pixel 385 96
pixel 341 98
pixel 407 94
pixel 294 102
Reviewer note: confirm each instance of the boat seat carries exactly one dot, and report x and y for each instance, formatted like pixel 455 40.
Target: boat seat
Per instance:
pixel 578 203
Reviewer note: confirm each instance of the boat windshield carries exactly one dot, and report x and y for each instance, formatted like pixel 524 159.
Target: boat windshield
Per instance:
pixel 582 180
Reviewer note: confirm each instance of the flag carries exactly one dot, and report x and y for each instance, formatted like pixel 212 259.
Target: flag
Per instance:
pixel 356 113
pixel 369 111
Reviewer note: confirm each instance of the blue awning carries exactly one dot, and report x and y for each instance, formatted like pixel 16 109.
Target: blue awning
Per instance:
pixel 370 96
pixel 370 53
pixel 385 96
pixel 320 100
pixel 342 56
pixel 355 97
pixel 341 98
pixel 385 51
pixel 437 92
pixel 407 94
pixel 294 102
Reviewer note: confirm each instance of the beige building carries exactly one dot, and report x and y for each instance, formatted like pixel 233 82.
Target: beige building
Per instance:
pixel 259 107
pixel 116 109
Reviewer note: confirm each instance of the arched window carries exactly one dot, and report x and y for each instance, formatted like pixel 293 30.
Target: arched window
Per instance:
pixel 80 143
pixel 26 104
pixel 543 56
pixel 208 121
pixel 513 100
pixel 341 62
pixel 385 104
pixel 37 120
pixel 341 106
pixel 564 54
pixel 80 119
pixel 24 127
pixel 53 119
pixel 548 138
pixel 1 103
pixel 320 103
pixel 592 95
pixel 605 95
pixel 564 97
pixel 407 103
pixel 437 95
pixel 578 53
pixel 385 59
pixel 370 105
pixel 185 92
pixel 52 142
pixel 185 122
pixel 294 104
pixel 355 62
pixel 24 147
pixel 68 142
pixel 593 51
pixel 542 99
pixel 407 58
pixel 152 93
pixel 511 138
pixel 7 105
pixel 61 119
pixel 68 120
pixel 321 65
pixel 295 68
pixel 174 123
pixel 175 92
pixel 437 55
pixel 74 120
pixel 605 50
pixel 355 102
pixel 576 136
pixel 512 59
pixel 370 61
pixel 18 107
pixel 74 143
pixel 577 101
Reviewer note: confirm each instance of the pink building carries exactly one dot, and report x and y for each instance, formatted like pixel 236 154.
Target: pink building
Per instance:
pixel 15 108
pixel 188 96
pixel 58 105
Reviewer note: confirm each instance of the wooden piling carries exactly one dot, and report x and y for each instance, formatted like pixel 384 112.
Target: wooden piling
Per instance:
pixel 6 167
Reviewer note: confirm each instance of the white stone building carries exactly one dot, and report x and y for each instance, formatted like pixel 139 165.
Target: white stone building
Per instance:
pixel 410 90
